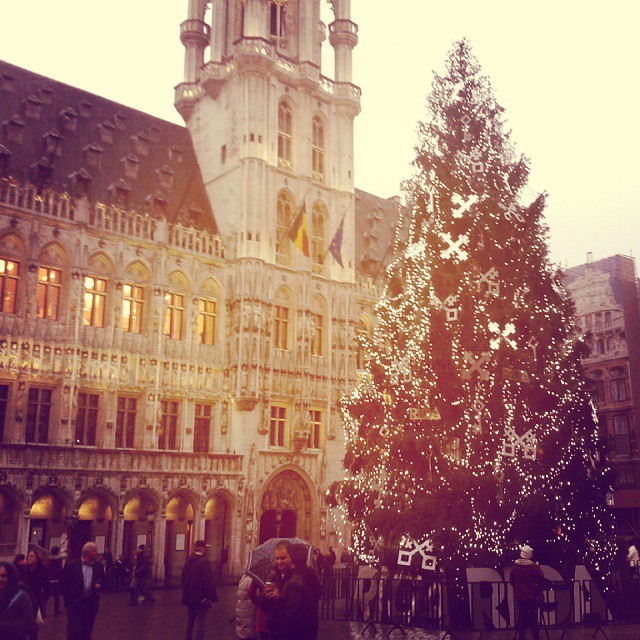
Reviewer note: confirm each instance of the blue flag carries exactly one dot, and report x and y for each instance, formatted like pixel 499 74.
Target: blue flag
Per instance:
pixel 335 248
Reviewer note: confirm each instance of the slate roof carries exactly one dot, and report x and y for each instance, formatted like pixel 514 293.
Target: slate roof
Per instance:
pixel 54 135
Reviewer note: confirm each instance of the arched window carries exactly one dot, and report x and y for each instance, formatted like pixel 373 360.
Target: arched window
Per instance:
pixel 318 223
pixel 9 270
pixel 364 328
pixel 277 22
pixel 207 313
pixel 286 208
pixel 317 327
pixel 281 319
pixel 175 309
pixel 318 149
pixel 285 135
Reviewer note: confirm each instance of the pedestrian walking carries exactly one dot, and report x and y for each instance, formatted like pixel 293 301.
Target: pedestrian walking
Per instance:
pixel 527 580
pixel 17 616
pixel 35 577
pixel 199 590
pixel 292 601
pixel 245 610
pixel 120 572
pixel 81 582
pixel 141 583
pixel 54 569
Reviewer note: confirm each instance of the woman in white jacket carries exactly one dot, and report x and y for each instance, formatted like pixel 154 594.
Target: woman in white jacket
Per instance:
pixel 245 611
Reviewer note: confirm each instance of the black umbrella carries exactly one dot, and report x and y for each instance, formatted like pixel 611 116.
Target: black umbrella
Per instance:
pixel 261 560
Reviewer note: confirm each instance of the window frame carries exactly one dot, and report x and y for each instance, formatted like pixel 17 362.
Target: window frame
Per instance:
pixel 6 279
pixel 278 431
pixel 285 135
pixel 5 397
pixel 316 429
pixel 281 326
pixel 318 149
pixel 51 289
pixel 136 308
pixel 94 302
pixel 207 321
pixel 87 419
pixel 174 315
pixel 168 428
pixel 203 413
pixel 126 418
pixel 38 431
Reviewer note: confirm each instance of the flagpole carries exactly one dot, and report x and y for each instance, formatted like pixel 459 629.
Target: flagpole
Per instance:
pixel 293 219
pixel 344 215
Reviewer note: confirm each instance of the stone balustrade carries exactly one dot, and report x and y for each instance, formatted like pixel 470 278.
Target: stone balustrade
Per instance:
pixel 28 197
pixel 59 459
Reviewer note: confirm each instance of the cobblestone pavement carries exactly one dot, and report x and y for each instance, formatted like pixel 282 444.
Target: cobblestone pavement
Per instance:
pixel 165 620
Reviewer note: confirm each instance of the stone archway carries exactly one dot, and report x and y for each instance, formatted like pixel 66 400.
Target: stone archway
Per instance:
pixel 140 513
pixel 48 517
pixel 180 517
pixel 286 508
pixel 217 530
pixel 95 517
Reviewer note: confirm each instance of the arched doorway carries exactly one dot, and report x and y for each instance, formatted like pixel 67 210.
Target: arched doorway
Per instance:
pixel 217 531
pixel 286 508
pixel 48 520
pixel 178 536
pixel 9 512
pixel 94 521
pixel 139 519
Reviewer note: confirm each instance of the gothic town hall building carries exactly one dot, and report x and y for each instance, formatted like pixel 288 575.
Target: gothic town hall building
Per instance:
pixel 170 361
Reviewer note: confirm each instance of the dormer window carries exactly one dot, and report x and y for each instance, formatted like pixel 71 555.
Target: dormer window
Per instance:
pixel 46 95
pixel 131 166
pixel 85 109
pixel 32 107
pixel 120 192
pixel 142 144
pixel 53 143
pixel 5 156
pixel 157 203
pixel 41 171
pixel 106 131
pixel 80 183
pixel 69 119
pixel 165 176
pixel 175 154
pixel 120 121
pixel 14 128
pixel 93 155
pixel 7 83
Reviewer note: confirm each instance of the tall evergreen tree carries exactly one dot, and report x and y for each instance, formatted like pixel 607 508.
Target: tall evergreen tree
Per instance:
pixel 472 425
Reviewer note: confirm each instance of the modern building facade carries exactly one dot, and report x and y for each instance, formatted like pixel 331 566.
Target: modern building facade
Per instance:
pixel 608 312
pixel 170 362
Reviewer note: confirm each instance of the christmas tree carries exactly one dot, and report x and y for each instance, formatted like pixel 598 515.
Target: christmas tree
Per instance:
pixel 471 428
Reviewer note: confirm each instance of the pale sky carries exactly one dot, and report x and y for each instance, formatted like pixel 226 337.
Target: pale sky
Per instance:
pixel 565 70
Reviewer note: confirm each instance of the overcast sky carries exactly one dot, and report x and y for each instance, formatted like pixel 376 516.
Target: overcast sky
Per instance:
pixel 565 70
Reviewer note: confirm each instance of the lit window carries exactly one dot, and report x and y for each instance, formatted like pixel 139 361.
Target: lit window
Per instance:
pixel 168 431
pixel 4 402
pixel 202 428
pixel 87 419
pixel 132 308
pixel 48 294
pixel 95 297
pixel 38 412
pixel 206 321
pixel 277 426
pixel 318 149
pixel 315 430
pixel 8 285
pixel 285 135
pixel 285 215
pixel 174 316
pixel 126 422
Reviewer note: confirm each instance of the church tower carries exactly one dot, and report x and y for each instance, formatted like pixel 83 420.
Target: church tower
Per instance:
pixel 272 133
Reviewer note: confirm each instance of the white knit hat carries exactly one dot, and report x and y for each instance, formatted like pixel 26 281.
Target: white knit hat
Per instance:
pixel 526 552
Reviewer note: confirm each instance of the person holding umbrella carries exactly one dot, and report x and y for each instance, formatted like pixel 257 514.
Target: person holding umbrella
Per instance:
pixel 291 598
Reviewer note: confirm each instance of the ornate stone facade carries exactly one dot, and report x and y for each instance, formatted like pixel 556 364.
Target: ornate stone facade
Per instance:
pixel 170 364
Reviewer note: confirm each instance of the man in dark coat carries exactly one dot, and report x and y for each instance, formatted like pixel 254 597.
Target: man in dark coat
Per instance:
pixel 199 590
pixel 293 601
pixel 80 583
pixel 527 580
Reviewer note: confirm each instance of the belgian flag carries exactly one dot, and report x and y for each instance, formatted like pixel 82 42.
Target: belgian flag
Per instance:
pixel 299 231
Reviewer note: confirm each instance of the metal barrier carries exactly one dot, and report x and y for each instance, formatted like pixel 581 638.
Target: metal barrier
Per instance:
pixel 481 606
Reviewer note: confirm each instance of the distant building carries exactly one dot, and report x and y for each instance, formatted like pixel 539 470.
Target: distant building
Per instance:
pixel 170 362
pixel 608 312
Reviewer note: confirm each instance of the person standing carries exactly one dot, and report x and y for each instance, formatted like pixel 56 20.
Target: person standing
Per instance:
pixel 17 616
pixel 34 576
pixel 293 600
pixel 199 590
pixel 527 580
pixel 54 569
pixel 142 577
pixel 81 582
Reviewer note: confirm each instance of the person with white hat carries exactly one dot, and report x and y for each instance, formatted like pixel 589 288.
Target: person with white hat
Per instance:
pixel 527 580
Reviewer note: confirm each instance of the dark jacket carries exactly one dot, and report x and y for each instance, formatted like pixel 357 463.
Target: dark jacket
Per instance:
pixel 37 581
pixel 72 584
pixel 294 615
pixel 17 615
pixel 142 568
pixel 527 580
pixel 197 581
